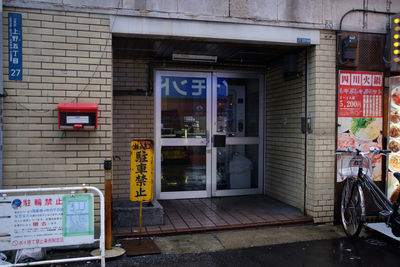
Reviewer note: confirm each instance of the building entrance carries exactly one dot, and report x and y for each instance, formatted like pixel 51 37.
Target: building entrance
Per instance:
pixel 208 134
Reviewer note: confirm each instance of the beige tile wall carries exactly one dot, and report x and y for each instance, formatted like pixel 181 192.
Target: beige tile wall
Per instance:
pixel 133 117
pixel 285 107
pixel 284 161
pixel 322 107
pixel 66 58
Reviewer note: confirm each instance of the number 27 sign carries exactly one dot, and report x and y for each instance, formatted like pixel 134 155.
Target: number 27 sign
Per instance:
pixel 14 46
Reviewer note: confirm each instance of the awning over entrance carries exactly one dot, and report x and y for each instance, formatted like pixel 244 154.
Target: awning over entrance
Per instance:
pixel 162 49
pixel 138 58
pixel 213 30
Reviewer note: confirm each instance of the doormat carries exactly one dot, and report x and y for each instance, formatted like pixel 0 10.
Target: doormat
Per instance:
pixel 135 248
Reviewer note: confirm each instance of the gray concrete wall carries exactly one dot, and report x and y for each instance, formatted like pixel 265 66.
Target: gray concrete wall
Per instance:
pixel 320 14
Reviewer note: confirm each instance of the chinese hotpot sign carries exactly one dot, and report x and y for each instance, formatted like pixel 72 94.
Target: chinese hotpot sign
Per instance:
pixel 360 117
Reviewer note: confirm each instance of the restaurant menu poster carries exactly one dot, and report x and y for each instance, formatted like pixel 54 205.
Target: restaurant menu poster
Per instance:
pixel 360 120
pixel 392 185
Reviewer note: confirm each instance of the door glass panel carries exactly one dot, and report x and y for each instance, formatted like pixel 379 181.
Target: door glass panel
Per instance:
pixel 237 167
pixel 182 114
pixel 183 168
pixel 183 107
pixel 237 107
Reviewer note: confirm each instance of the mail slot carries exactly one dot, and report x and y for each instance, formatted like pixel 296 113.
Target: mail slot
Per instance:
pixel 77 116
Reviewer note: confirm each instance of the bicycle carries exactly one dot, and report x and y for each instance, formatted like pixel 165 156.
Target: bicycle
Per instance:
pixel 352 205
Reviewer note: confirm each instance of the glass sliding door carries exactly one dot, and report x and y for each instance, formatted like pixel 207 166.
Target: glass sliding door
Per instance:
pixel 193 112
pixel 183 121
pixel 237 115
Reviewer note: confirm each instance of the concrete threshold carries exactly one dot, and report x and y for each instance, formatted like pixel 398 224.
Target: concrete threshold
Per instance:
pixel 146 232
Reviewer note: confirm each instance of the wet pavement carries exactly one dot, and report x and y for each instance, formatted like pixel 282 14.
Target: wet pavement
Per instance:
pixel 321 246
pixel 333 252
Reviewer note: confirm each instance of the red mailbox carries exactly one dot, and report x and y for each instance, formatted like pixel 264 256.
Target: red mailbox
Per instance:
pixel 77 116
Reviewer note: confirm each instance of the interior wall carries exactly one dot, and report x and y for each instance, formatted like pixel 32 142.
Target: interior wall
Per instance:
pixel 132 117
pixel 285 105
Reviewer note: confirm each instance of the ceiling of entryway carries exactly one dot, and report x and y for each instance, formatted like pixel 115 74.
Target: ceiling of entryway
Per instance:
pixel 162 49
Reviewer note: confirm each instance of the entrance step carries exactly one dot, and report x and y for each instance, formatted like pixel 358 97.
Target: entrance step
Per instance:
pixel 126 213
pixel 216 214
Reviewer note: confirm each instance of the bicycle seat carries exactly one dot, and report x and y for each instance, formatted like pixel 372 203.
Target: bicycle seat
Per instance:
pixel 397 175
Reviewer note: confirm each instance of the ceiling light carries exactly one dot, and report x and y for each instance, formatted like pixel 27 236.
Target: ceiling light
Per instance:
pixel 196 58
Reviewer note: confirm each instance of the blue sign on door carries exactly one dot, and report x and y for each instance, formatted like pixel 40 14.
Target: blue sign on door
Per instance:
pixel 222 87
pixel 177 87
pixel 14 46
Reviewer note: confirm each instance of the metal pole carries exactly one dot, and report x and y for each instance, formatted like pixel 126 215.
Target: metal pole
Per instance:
pixel 140 223
pixel 108 199
pixel 102 228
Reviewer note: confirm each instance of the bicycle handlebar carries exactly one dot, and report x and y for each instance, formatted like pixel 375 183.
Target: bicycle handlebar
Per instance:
pixel 373 150
pixel 341 151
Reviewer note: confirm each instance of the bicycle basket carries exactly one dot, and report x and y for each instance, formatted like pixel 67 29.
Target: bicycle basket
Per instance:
pixel 349 166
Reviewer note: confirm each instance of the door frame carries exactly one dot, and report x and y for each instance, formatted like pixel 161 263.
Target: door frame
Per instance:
pixel 159 142
pixel 211 152
pixel 239 140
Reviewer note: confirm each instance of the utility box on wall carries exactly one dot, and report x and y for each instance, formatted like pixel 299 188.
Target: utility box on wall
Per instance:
pixel 348 49
pixel 77 116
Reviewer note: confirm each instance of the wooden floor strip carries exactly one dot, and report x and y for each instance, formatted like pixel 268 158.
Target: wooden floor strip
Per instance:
pixel 210 214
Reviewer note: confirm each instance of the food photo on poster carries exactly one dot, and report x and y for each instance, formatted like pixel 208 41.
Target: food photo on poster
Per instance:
pixel 362 134
pixel 392 184
pixel 360 122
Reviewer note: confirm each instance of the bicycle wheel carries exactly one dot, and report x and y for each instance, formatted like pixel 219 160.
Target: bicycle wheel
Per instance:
pixel 352 207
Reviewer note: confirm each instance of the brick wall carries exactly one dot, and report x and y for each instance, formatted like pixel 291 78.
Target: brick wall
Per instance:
pixel 133 117
pixel 130 75
pixel 320 155
pixel 66 58
pixel 285 105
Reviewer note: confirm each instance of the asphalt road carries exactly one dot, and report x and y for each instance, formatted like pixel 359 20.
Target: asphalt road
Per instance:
pixel 368 251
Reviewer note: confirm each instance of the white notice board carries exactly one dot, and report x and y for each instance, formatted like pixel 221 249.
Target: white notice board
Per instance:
pixel 45 221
